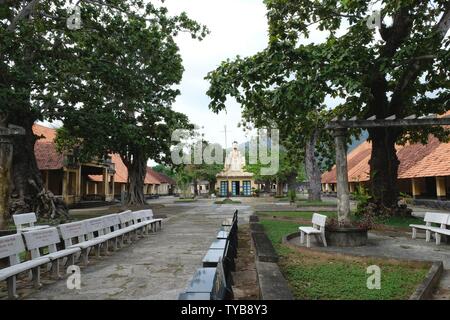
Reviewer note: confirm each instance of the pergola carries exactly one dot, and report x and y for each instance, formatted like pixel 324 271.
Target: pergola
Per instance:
pixel 340 127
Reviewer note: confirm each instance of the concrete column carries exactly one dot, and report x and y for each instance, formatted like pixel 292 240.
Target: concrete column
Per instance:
pixel 64 185
pixel 105 184
pixel 78 185
pixel 416 190
pixel 46 179
pixel 441 188
pixel 352 187
pixel 113 185
pixel 343 197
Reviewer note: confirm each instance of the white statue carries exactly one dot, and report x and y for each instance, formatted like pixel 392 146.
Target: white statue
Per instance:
pixel 234 160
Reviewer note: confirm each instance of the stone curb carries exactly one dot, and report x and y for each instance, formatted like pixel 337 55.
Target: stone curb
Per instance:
pixel 272 284
pixel 424 291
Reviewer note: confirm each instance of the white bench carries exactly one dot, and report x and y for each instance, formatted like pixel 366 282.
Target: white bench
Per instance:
pixel 21 219
pixel 78 231
pixel 129 223
pixel 430 219
pixel 96 231
pixel 146 216
pixel 318 229
pixel 442 230
pixel 48 239
pixel 112 231
pixel 11 247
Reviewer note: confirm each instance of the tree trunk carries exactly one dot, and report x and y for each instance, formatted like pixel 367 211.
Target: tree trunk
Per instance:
pixel 6 153
pixel 384 165
pixel 28 193
pixel 267 186
pixel 195 183
pixel 137 170
pixel 292 181
pixel 279 188
pixel 312 167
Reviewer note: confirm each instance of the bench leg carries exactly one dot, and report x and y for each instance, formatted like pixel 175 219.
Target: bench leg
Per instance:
pixel 12 287
pixel 428 235
pixel 438 238
pixel 324 240
pixel 36 277
pixel 55 269
pixel 70 260
pixel 414 233
pixel 98 250
pixel 308 241
pixel 85 256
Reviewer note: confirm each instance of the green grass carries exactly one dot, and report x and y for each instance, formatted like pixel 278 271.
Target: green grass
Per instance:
pixel 227 201
pixel 275 230
pixel 308 203
pixel 294 214
pixel 395 222
pixel 312 275
pixel 400 222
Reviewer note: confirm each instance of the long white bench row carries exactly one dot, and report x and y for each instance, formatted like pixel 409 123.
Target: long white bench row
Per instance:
pixel 78 240
pixel 434 223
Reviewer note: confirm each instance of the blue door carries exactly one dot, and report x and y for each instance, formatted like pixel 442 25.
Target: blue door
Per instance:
pixel 246 186
pixel 224 188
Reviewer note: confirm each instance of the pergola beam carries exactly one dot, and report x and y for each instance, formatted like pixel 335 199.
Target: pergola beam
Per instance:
pixel 341 124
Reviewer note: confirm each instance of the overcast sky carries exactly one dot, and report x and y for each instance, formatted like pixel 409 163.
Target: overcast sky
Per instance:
pixel 238 27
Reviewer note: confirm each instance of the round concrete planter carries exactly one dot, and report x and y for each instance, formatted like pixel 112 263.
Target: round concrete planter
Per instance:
pixel 346 237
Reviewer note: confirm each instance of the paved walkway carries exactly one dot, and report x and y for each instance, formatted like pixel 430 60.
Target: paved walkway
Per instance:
pixel 158 267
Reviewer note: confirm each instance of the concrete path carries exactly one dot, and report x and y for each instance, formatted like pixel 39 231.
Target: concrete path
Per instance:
pixel 158 267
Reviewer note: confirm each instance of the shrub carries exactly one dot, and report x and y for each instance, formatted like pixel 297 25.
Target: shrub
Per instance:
pixel 292 195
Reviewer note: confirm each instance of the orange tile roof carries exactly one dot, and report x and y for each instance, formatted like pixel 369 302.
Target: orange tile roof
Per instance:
pixel 416 160
pixel 47 157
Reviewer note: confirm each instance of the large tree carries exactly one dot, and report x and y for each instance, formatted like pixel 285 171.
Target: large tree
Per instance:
pixel 33 54
pixel 284 91
pixel 125 91
pixel 40 61
pixel 399 68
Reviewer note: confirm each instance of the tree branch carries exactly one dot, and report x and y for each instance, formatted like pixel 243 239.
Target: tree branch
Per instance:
pixel 414 68
pixel 25 12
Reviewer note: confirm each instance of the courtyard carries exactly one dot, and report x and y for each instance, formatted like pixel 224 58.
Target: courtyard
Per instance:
pixel 160 266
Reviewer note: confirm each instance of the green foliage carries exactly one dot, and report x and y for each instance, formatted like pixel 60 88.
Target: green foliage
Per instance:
pixel 292 195
pixel 287 84
pixel 165 170
pixel 227 201
pixel 362 197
